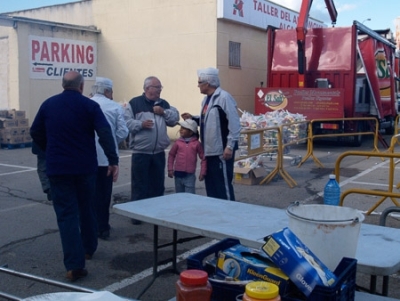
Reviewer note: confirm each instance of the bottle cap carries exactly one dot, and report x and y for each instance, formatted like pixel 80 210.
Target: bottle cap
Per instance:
pixel 262 290
pixel 194 277
pixel 332 176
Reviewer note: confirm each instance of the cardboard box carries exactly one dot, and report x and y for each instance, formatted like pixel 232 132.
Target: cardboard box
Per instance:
pixel 14 114
pixel 24 130
pixel 27 138
pixel 3 113
pixel 244 263
pixel 248 176
pixel 298 262
pixel 7 133
pixel 8 123
pixel 23 122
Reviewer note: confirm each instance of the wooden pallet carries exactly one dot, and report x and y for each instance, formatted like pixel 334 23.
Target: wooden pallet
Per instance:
pixel 18 145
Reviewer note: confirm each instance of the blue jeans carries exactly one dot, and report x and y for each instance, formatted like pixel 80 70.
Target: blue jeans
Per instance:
pixel 186 184
pixel 73 202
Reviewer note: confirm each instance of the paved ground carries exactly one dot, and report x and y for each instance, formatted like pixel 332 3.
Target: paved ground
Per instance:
pixel 29 239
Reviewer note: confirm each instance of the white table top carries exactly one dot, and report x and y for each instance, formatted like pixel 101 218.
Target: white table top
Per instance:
pixel 377 251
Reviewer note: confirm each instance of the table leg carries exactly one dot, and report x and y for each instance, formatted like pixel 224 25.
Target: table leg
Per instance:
pixel 155 262
pixel 372 285
pixel 385 286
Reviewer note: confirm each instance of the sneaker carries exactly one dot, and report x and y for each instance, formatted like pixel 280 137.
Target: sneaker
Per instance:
pixel 48 193
pixel 74 275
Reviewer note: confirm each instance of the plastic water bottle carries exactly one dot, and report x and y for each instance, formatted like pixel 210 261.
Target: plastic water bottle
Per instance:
pixel 332 192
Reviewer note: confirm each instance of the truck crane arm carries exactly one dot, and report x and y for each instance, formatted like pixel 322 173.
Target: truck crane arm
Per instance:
pixel 301 31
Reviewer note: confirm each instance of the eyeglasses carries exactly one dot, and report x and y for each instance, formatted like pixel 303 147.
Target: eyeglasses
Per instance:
pixel 202 82
pixel 157 87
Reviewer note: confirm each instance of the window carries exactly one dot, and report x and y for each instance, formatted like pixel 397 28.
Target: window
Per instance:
pixel 234 54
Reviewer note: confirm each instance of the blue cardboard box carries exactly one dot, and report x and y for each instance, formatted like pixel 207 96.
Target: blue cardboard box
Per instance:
pixel 304 269
pixel 243 263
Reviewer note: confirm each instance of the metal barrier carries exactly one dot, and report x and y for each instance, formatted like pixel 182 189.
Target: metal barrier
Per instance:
pixel 311 136
pixel 384 194
pixel 282 140
pixel 280 158
pixel 71 287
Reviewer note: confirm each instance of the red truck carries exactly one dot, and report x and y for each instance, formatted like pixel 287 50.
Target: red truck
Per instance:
pixel 338 72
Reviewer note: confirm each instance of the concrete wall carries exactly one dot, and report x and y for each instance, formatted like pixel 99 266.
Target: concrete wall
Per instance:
pixel 63 13
pixel 4 71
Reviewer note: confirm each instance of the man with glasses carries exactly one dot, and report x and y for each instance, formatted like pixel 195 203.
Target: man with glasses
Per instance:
pixel 147 117
pixel 219 133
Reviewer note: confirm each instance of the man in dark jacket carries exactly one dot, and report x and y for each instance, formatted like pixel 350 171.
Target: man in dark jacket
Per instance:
pixel 64 128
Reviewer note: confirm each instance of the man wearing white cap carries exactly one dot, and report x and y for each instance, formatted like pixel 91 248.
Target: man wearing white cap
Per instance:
pixel 103 95
pixel 219 133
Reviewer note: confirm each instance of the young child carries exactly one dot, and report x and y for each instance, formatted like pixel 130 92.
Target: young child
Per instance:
pixel 182 158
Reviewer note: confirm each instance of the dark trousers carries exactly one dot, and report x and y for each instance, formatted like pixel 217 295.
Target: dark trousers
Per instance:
pixel 73 202
pixel 41 171
pixel 218 180
pixel 147 176
pixel 103 194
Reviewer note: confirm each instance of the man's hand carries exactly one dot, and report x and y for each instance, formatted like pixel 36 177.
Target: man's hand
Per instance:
pixel 148 124
pixel 158 110
pixel 113 170
pixel 227 153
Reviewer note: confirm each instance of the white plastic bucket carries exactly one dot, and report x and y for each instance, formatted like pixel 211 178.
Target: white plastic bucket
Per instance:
pixel 330 232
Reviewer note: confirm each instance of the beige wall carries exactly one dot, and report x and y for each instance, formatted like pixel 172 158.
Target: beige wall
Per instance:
pixel 64 13
pixel 4 67
pixel 168 39
pixel 241 82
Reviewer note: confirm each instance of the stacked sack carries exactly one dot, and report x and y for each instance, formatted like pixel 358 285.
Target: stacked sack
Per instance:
pixel 292 131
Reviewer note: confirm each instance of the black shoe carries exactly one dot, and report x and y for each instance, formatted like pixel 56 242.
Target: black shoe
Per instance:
pixel 135 222
pixel 105 235
pixel 88 256
pixel 48 193
pixel 74 275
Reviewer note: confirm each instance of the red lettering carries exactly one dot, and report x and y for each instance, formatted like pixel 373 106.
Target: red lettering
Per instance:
pixel 89 55
pixel 54 52
pixel 51 51
pixel 44 56
pixel 35 49
pixel 64 53
pixel 80 54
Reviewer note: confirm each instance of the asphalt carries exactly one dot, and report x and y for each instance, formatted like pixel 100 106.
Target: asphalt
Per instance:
pixel 30 243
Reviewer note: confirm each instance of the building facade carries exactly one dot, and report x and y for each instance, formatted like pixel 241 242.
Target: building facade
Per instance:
pixel 129 40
